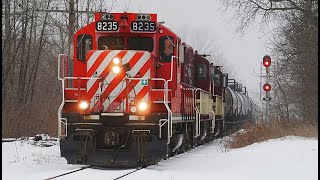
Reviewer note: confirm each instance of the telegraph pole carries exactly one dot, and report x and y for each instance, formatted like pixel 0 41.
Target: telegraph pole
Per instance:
pixel 72 19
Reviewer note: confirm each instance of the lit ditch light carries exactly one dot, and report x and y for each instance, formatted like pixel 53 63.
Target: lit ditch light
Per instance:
pixel 143 106
pixel 83 105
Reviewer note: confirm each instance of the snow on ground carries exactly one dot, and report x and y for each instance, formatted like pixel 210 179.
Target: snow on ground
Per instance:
pixel 286 158
pixel 24 160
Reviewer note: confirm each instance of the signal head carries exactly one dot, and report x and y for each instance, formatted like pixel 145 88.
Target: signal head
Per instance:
pixel 267 87
pixel 266 61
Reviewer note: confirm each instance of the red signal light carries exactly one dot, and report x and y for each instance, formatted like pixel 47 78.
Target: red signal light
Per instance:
pixel 266 61
pixel 267 87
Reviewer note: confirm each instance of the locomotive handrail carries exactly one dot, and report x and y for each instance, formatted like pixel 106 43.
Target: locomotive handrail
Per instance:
pixel 166 85
pixel 82 78
pixel 161 124
pixel 59 59
pixel 197 122
pixel 171 74
pixel 66 129
pixel 62 79
pixel 198 113
pixel 190 88
pixel 221 97
pixel 63 99
pixel 165 102
pixel 166 89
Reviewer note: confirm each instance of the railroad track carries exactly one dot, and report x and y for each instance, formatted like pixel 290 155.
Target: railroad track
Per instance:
pixel 8 140
pixel 64 174
pixel 138 169
pixel 83 168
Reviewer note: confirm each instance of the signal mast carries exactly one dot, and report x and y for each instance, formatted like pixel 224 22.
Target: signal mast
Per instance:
pixel 266 62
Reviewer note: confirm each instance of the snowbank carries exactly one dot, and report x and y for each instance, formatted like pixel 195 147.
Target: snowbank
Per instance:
pixel 29 159
pixel 284 158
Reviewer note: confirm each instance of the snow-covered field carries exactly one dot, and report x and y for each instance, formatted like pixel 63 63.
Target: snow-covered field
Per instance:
pixel 287 158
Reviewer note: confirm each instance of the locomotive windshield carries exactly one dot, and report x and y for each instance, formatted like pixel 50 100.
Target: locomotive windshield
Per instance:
pixel 128 43
pixel 111 42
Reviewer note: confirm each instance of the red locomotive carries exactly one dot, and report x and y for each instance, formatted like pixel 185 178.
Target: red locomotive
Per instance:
pixel 138 94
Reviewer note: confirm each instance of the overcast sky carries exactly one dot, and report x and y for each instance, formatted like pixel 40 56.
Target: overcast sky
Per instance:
pixel 243 52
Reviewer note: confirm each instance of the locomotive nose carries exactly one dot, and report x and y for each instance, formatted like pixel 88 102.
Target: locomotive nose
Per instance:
pixel 120 73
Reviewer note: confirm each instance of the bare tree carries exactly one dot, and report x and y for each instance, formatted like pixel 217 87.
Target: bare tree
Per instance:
pixel 31 42
pixel 201 41
pixel 295 49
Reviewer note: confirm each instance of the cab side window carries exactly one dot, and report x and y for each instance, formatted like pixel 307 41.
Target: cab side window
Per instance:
pixel 202 71
pixel 166 48
pixel 217 80
pixel 84 44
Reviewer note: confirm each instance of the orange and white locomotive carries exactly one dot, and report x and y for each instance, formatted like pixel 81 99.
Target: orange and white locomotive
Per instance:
pixel 136 94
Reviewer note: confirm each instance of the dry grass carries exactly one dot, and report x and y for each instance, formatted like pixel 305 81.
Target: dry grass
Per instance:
pixel 261 132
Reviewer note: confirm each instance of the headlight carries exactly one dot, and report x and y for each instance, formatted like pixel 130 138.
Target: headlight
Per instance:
pixel 116 69
pixel 84 105
pixel 143 106
pixel 116 61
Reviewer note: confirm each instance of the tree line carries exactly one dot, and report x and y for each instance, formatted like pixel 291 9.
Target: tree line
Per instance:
pixel 31 42
pixel 294 47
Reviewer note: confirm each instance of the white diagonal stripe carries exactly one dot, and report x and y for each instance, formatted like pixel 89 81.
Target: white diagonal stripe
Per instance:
pixel 110 76
pixel 93 58
pixel 136 68
pixel 145 98
pixel 133 71
pixel 125 59
pixel 128 56
pixel 102 67
pixel 114 93
pixel 93 100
